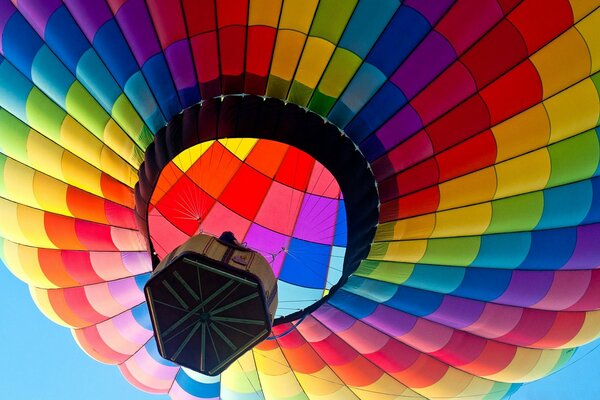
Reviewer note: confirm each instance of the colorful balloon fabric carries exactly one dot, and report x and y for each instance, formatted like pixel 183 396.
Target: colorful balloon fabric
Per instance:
pixel 478 118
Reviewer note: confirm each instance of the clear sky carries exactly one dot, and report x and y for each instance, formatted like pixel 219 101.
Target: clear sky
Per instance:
pixel 41 361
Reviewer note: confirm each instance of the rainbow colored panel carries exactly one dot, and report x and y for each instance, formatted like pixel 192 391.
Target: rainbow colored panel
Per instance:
pixel 480 122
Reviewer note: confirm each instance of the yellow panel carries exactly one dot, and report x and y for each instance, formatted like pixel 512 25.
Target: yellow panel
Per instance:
pixel 116 167
pixel 324 384
pixel 381 387
pixel 581 8
pixel 278 380
pixel 12 261
pixel 450 385
pixel 79 141
pixel 478 389
pixel 10 227
pixel 286 54
pixel 40 298
pixel 117 140
pixel 573 111
pixel 31 222
pixel 241 376
pixel 524 132
pixel 414 228
pixel 188 157
pixel 239 147
pixel 464 221
pixel 410 251
pixel 51 194
pixel 522 363
pixel 314 61
pixel 523 174
pixel 81 175
pixel 589 30
pixel 544 366
pixel 298 14
pixel 264 12
pixel 473 188
pixel 336 79
pixel 28 258
pixel 18 181
pixel 590 330
pixel 45 155
pixel 562 62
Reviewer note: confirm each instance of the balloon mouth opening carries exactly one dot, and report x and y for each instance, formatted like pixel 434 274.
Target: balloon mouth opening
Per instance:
pixel 289 184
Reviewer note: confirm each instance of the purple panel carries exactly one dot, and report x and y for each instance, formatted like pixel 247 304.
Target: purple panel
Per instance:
pixel 393 322
pixel 126 292
pixel 6 11
pixel 268 243
pixel 457 312
pixel 429 59
pixel 399 128
pixel 586 254
pixel 180 63
pixel 136 262
pixel 317 218
pixel 334 319
pixel 129 328
pixel 135 23
pixel 89 14
pixel 526 288
pixel 37 12
pixel 431 9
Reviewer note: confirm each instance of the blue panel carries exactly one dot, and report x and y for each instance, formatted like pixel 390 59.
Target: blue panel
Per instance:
pixel 95 77
pixel 550 249
pixel 153 351
pixel 594 213
pixel 377 291
pixel 414 301
pixel 139 94
pixel 64 37
pixel 365 26
pixel 340 237
pixel 566 205
pixel 435 278
pixel 294 298
pixel 402 35
pixel 159 78
pixel 377 111
pixel 140 280
pixel 484 283
pixel 20 43
pixel 356 306
pixel 142 316
pixel 361 88
pixel 507 250
pixel 189 96
pixel 306 264
pixel 114 51
pixel 51 76
pixel 14 90
pixel 209 389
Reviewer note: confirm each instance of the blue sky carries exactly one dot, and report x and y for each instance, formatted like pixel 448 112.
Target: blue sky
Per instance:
pixel 40 360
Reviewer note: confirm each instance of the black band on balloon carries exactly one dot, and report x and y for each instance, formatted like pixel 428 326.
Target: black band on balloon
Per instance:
pixel 257 117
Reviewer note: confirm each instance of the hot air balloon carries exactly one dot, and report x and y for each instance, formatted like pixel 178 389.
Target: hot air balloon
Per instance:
pixel 421 176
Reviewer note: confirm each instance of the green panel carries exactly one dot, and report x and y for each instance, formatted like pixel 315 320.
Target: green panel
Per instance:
pixel 86 110
pixel 459 251
pixel 378 250
pixel 574 159
pixel 14 143
pixel 320 103
pixel 277 87
pixel 497 391
pixel 44 115
pixel 129 120
pixel 518 213
pixel 339 72
pixel 596 79
pixel 300 94
pixel 385 271
pixel 331 19
pixel 565 356
pixel 2 172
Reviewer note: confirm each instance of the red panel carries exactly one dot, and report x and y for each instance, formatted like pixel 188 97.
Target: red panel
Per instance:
pixel 232 12
pixel 540 21
pixel 96 347
pixel 533 326
pixel 495 53
pixel 471 155
pixel 494 358
pixel 206 54
pixel 116 191
pixel 466 120
pixel 85 206
pixel 408 153
pixel 53 267
pixel 66 310
pixel 232 43
pixel 245 192
pixel 200 16
pixel 119 215
pixel 461 349
pixel 79 304
pixel 444 93
pixel 266 156
pixel 419 203
pixel 394 356
pixel 415 377
pixel 167 17
pixel 79 266
pixel 185 205
pixel 295 169
pixel 259 50
pixel 591 298
pixel 508 5
pixel 467 21
pixel 566 326
pixel 61 231
pixel 418 177
pixel 513 92
pixel 95 236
